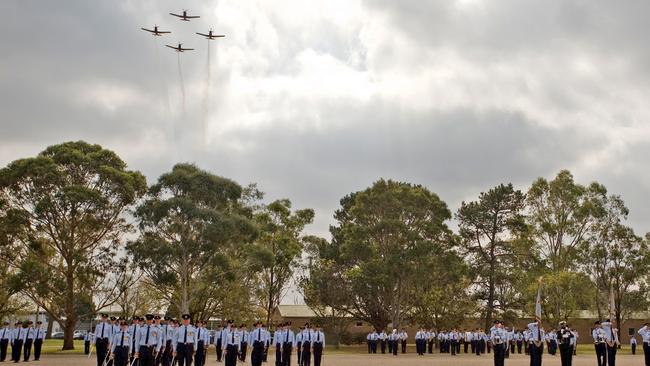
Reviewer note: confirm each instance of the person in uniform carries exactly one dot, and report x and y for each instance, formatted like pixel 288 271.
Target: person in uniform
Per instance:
pixel 120 346
pixel 133 330
pixel 243 330
pixel 218 342
pixel 102 338
pixel 184 342
pixel 453 341
pixel 148 342
pixel 519 341
pixel 611 339
pixel 420 341
pixel 499 338
pixel 231 343
pixel 87 339
pixel 5 339
pixel 39 337
pixel 287 344
pixel 18 340
pixel 168 338
pixel 403 336
pixel 299 345
pixel 278 336
pixel 256 340
pixel 318 344
pixel 29 341
pixel 202 342
pixel 374 337
pixel 306 345
pixel 644 332
pixel 536 342
pixel 267 342
pixel 394 340
pixel 564 335
pixel 382 341
pixel 600 343
pixel 431 335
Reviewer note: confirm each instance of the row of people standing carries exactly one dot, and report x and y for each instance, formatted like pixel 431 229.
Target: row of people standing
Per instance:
pixel 22 337
pixel 152 341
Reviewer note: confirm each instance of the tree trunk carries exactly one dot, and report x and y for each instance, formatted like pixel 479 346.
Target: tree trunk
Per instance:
pixel 68 332
pixel 50 326
pixel 70 310
pixel 397 320
pixel 490 304
pixel 269 307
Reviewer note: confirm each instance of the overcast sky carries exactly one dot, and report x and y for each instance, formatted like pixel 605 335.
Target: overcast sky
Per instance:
pixel 316 99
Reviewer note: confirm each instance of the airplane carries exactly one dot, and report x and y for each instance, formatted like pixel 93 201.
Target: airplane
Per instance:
pixel 185 17
pixel 210 36
pixel 155 31
pixel 180 48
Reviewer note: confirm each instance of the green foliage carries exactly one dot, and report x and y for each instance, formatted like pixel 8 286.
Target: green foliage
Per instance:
pixel 490 230
pixel 65 216
pixel 193 224
pixel 276 251
pixel 383 235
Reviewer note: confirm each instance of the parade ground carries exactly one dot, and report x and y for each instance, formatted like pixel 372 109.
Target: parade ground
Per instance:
pixel 385 360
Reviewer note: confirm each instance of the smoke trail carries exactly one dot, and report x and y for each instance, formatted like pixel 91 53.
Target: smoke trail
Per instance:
pixel 180 77
pixel 163 80
pixel 206 97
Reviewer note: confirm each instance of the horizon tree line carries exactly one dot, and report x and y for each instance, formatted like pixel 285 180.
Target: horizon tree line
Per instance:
pixel 80 233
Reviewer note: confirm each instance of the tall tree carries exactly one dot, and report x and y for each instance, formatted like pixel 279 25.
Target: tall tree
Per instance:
pixel 191 224
pixel 382 234
pixel 561 213
pixel 489 228
pixel 617 260
pixel 320 287
pixel 440 293
pixel 277 250
pixel 72 200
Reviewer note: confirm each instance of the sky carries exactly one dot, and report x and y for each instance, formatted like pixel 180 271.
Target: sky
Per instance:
pixel 315 99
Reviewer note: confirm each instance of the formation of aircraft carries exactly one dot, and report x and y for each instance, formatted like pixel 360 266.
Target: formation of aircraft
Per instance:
pixel 155 31
pixel 180 48
pixel 183 17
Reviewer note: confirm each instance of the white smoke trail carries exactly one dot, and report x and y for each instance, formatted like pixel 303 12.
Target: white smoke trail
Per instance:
pixel 163 80
pixel 180 77
pixel 205 110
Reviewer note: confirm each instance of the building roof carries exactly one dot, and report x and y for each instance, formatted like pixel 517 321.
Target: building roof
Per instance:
pixel 296 311
pixel 303 311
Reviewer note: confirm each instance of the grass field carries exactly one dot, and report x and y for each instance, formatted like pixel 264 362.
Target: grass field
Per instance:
pixel 53 346
pixel 410 359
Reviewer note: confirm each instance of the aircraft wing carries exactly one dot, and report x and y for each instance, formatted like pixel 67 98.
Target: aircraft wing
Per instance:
pixel 172 47
pixel 148 30
pixel 204 35
pixel 185 49
pixel 165 32
pixel 176 15
pixel 192 16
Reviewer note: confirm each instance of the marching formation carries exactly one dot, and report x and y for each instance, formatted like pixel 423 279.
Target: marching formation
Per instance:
pixel 503 341
pixel 22 337
pixel 153 341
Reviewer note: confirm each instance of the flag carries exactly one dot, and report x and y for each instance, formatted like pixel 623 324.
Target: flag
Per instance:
pixel 612 304
pixel 538 302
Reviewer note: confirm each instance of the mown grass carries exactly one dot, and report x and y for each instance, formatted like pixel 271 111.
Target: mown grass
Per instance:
pixel 53 346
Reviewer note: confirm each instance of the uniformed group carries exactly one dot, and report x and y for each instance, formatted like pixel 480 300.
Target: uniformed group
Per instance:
pixel 22 337
pixel 152 341
pixel 502 341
